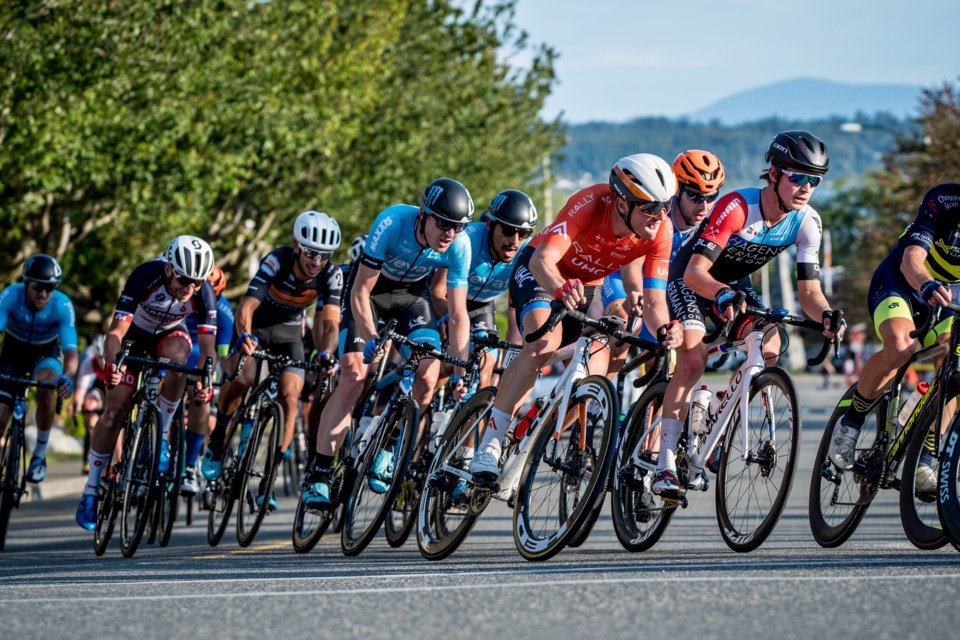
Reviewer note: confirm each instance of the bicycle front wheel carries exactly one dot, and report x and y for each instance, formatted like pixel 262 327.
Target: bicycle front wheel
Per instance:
pixel 753 483
pixel 108 501
pixel 223 490
pixel 141 468
pixel 838 500
pixel 380 472
pixel 918 489
pixel 948 483
pixel 259 473
pixel 402 514
pixel 565 473
pixel 9 477
pixel 170 481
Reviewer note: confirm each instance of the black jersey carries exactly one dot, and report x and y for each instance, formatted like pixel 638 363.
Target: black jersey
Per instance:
pixel 284 298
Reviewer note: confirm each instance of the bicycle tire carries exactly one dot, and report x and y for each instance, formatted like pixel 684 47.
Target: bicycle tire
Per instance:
pixel 310 525
pixel 262 454
pixel 9 476
pixel 140 488
pixel 169 501
pixel 948 483
pixel 918 512
pixel 107 506
pixel 639 517
pixel 402 514
pixel 838 500
pixel 363 521
pixel 223 490
pixel 562 463
pixel 741 529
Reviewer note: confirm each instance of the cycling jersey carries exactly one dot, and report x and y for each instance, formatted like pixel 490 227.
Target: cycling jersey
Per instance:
pixel 488 279
pixel 738 241
pixel 284 297
pixel 937 229
pixel 90 375
pixel 148 305
pixel 392 247
pixel 583 233
pixel 56 320
pixel 224 331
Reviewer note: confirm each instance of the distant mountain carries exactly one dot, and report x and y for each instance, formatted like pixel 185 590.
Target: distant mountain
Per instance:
pixel 809 98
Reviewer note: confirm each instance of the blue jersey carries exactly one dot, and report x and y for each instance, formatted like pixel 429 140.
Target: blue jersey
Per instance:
pixel 488 279
pixel 56 320
pixel 392 247
pixel 679 237
pixel 224 325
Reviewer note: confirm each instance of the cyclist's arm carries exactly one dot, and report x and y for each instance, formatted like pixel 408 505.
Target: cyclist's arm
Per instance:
pixel 544 267
pixel 114 338
pixel 459 331
pixel 513 331
pixel 913 267
pixel 697 277
pixel 328 320
pixel 360 295
pixel 71 361
pixel 208 347
pixel 438 292
pixel 812 300
pixel 243 321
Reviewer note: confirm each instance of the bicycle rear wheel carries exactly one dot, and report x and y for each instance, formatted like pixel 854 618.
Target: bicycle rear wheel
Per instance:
pixel 108 505
pixel 753 484
pixel 918 490
pixel 170 481
pixel 948 483
pixel 259 473
pixel 367 508
pixel 639 517
pixel 402 514
pixel 564 475
pixel 10 457
pixel 443 519
pixel 838 500
pixel 140 490
pixel 309 525
pixel 223 490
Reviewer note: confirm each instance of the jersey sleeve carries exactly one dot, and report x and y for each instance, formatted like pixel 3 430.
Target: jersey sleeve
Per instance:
pixel 922 231
pixel 727 218
pixel 6 299
pixel 206 305
pixel 266 274
pixel 808 247
pixel 333 286
pixel 68 323
pixel 134 287
pixel 224 326
pixel 382 235
pixel 457 259
pixel 568 223
pixel 656 262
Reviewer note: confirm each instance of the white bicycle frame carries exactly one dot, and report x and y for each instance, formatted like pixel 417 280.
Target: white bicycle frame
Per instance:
pixel 734 404
pixel 558 398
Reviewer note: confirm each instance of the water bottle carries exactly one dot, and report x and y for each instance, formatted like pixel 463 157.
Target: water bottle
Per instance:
pixel 911 402
pixel 369 429
pixel 702 399
pixel 437 428
pixel 516 435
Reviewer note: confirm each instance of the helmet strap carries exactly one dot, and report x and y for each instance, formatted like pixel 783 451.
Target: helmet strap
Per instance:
pixel 776 191
pixel 626 217
pixel 422 229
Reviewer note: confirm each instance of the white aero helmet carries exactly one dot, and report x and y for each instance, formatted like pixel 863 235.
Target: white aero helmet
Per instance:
pixel 318 231
pixel 356 247
pixel 643 178
pixel 190 257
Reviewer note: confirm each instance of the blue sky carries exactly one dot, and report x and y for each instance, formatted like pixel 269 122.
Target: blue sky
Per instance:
pixel 620 60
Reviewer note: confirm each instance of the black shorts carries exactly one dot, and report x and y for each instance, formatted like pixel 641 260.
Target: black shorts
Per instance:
pixel 483 317
pixel 18 359
pixel 526 294
pixel 147 345
pixel 282 340
pixel 407 303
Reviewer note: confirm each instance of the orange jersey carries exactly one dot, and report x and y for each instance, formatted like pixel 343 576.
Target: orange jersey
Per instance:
pixel 583 233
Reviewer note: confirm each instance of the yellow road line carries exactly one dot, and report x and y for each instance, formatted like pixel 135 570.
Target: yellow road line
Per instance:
pixel 237 552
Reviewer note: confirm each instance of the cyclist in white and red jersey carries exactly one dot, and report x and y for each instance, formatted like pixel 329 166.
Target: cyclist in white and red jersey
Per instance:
pixel 156 299
pixel 603 228
pixel 745 230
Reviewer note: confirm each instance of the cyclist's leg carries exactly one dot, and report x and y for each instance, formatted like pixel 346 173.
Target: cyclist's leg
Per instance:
pixel 175 346
pixel 291 385
pixel 229 400
pixel 613 298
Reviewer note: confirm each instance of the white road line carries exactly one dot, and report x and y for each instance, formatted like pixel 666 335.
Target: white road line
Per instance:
pixel 486 587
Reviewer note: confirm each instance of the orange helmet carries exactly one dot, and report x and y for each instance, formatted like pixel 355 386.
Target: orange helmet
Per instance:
pixel 699 170
pixel 218 279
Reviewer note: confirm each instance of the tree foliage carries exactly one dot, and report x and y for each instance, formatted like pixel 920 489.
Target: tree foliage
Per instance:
pixel 125 123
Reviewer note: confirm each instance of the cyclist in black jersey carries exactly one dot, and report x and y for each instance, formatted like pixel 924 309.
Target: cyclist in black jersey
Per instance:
pixel 922 271
pixel 270 314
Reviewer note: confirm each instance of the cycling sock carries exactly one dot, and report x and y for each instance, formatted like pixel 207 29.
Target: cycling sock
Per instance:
pixel 194 447
pixel 926 454
pixel 497 427
pixel 669 437
pixel 98 462
pixel 858 409
pixel 167 410
pixel 322 468
pixel 43 437
pixel 215 443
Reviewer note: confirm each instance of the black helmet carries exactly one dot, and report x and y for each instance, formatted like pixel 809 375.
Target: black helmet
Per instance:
pixel 448 199
pixel 798 151
pixel 514 208
pixel 42 268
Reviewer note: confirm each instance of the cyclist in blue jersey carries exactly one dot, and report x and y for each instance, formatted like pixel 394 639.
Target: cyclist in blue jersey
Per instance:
pixel 503 231
pixel 40 339
pixel 198 414
pixel 156 299
pixel 405 246
pixel 270 314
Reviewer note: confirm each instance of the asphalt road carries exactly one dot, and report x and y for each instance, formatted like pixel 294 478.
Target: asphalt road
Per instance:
pixel 875 586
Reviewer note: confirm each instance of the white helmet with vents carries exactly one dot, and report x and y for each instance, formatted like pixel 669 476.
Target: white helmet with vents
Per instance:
pixel 190 257
pixel 317 231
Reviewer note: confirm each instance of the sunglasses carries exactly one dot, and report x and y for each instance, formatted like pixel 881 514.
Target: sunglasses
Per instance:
pixel 700 198
pixel 42 287
pixel 310 254
pixel 184 281
pixel 445 225
pixel 801 179
pixel 508 231
pixel 652 209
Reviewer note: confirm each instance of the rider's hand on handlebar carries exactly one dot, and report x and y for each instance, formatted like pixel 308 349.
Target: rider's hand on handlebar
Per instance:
pixel 64 387
pixel 723 304
pixel 670 335
pixel 115 375
pixel 370 352
pixel 203 394
pixel 571 293
pixel 247 342
pixel 327 362
pixel 458 388
pixel 934 293
pixel 633 305
pixel 829 330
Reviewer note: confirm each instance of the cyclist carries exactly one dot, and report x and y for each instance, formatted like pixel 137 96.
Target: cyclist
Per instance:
pixel 40 338
pixel 745 229
pixel 290 279
pixel 700 176
pixel 391 281
pixel 621 224
pixel 156 299
pixel 494 242
pixel 922 271
pixel 198 413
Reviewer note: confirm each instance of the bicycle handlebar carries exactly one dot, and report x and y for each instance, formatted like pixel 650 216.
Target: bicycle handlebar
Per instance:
pixel 40 384
pixel 933 317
